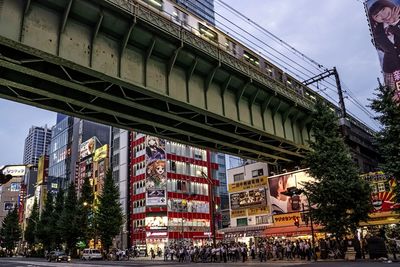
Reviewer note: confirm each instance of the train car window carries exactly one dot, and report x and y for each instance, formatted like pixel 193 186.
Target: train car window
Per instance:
pixel 269 69
pixel 231 47
pixel 289 82
pixel 299 89
pixel 279 76
pixel 155 3
pixel 181 17
pixel 208 33
pixel 250 58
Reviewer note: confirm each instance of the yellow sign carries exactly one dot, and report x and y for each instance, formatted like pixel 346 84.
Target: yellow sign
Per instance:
pixel 248 184
pixel 40 172
pixel 258 211
pixel 238 213
pixel 286 218
pixel 101 153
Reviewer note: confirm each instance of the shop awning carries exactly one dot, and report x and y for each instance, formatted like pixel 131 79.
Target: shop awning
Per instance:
pixel 242 228
pixel 291 230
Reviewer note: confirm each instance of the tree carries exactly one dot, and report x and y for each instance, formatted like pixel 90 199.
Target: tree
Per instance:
pixel 31 234
pixel 69 220
pixel 10 231
pixel 388 138
pixel 56 217
pixel 340 199
pixel 109 217
pixel 46 225
pixel 86 210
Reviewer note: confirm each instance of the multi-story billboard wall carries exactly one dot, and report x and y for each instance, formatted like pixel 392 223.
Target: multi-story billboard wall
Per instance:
pixel 156 173
pixel 383 197
pixel 279 184
pixel 384 20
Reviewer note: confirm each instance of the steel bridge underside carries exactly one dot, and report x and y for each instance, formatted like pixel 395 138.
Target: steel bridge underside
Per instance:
pixel 131 68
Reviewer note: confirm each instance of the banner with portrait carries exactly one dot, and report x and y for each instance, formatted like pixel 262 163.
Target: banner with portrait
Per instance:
pixel 384 21
pixel 278 184
pixel 156 173
pixel 251 198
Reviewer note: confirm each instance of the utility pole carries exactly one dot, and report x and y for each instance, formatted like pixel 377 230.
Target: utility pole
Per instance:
pixel 324 75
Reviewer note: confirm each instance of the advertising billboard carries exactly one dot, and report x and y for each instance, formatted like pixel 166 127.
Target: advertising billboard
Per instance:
pixel 248 184
pixel 384 20
pixel 156 222
pixel 87 148
pixel 383 197
pixel 279 184
pixel 155 197
pixel 42 169
pixel 156 173
pixel 286 219
pixel 251 198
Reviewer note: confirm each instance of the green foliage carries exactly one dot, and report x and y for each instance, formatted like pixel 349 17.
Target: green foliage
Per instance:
pixel 10 231
pixel 32 223
pixel 86 211
pixel 69 223
pixel 388 138
pixel 342 199
pixel 56 217
pixel 46 225
pixel 109 217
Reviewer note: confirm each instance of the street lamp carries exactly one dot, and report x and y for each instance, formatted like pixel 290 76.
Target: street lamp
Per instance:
pixel 294 191
pixel 212 204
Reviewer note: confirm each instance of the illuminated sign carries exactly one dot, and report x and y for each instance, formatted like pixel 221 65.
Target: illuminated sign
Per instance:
pixel 15 171
pixel 258 211
pixel 286 219
pixel 101 153
pixel 238 213
pixel 250 198
pixel 248 184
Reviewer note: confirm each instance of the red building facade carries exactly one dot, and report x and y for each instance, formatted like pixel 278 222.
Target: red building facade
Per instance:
pixel 171 193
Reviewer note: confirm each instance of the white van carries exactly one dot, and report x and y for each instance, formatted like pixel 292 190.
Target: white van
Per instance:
pixel 91 254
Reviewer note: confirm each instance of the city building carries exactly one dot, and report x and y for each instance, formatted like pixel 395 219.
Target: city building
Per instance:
pixel 204 8
pixel 64 153
pixel 36 144
pixel 120 170
pixel 11 192
pixel 172 194
pixel 248 197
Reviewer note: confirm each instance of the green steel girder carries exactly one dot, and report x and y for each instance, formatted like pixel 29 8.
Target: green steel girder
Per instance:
pixel 43 79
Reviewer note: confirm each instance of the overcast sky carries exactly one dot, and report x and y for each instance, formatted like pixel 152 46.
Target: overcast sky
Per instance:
pixel 331 32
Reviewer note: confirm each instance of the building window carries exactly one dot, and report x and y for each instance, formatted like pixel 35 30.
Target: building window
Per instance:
pixel 381 187
pixel 256 173
pixel 262 219
pixel 241 222
pixel 238 177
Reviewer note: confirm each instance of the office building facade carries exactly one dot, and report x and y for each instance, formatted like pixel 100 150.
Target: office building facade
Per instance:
pixel 36 144
pixel 203 8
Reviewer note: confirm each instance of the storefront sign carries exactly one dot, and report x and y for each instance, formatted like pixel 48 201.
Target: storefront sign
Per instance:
pixel 249 184
pixel 286 219
pixel 14 171
pixel 258 211
pixel 156 234
pixel 255 197
pixel 238 213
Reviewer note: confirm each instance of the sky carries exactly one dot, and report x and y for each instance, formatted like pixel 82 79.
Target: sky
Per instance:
pixel 331 32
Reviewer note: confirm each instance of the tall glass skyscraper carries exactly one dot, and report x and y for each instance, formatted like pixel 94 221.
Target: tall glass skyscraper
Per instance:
pixel 202 8
pixel 36 144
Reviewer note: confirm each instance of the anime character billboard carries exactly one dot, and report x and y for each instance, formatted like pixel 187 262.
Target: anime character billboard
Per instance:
pixel 384 20
pixel 156 174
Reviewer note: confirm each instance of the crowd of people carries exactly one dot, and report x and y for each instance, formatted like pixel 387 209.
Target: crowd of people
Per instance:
pixel 236 251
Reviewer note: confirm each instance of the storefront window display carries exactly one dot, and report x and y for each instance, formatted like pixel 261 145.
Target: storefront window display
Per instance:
pixel 183 205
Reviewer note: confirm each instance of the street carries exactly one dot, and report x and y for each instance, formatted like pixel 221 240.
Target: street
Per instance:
pixel 22 262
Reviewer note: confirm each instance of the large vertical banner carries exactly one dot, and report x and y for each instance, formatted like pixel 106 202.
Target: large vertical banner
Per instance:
pixel 384 18
pixel 156 173
pixel 278 184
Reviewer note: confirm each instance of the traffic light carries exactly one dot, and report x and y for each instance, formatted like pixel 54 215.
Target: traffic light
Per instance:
pixel 4 178
pixel 296 221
